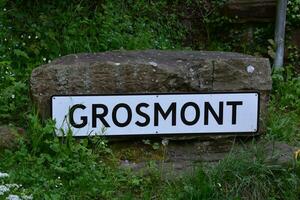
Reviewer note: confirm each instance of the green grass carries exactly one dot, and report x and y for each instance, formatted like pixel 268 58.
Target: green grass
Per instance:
pixel 77 170
pixel 241 175
pixel 284 109
pixel 33 33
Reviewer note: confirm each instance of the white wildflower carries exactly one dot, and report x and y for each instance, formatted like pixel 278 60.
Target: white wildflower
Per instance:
pixel 49 61
pixel 27 197
pixel 3 175
pixel 4 9
pixel 13 185
pixel 3 189
pixel 13 197
pixel 29 37
pixel 44 59
pixel 36 37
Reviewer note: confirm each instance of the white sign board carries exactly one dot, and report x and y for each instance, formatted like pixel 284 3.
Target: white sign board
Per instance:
pixel 156 114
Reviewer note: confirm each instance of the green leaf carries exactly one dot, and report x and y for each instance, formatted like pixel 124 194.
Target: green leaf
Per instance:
pixel 20 53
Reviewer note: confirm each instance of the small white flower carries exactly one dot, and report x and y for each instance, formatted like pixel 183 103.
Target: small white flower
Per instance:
pixel 13 185
pixel 49 61
pixel 5 39
pixel 3 189
pixel 29 37
pixel 36 37
pixel 12 96
pixel 13 197
pixel 44 59
pixel 27 197
pixel 22 36
pixel 4 9
pixel 23 43
pixel 3 175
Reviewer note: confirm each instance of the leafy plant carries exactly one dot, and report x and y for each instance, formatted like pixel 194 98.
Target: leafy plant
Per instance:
pixel 293 12
pixel 284 109
pixel 13 95
pixel 245 173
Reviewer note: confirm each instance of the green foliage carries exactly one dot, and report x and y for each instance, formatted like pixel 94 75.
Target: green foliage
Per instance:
pixel 213 21
pixel 34 33
pixel 249 175
pixel 57 28
pixel 286 88
pixel 49 167
pixel 293 13
pixel 197 186
pixel 245 174
pixel 293 56
pixel 13 95
pixel 284 109
pixel 60 168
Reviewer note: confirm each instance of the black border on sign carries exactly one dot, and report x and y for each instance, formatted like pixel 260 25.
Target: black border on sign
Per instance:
pixel 250 133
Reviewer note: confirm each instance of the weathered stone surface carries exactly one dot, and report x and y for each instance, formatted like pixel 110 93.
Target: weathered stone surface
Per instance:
pixel 149 71
pixel 280 153
pixel 251 10
pixel 182 157
pixel 7 137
